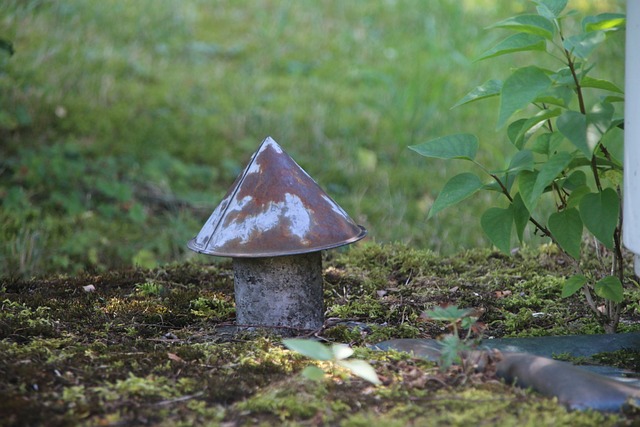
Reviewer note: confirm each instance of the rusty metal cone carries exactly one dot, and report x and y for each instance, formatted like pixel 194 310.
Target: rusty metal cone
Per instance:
pixel 275 208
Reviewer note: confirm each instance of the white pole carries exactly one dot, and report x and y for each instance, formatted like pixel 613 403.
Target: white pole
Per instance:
pixel 631 212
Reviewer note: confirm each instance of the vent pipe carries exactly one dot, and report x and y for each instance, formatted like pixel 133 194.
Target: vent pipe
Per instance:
pixel 631 233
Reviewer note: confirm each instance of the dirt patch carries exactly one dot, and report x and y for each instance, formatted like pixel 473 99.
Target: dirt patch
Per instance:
pixel 159 347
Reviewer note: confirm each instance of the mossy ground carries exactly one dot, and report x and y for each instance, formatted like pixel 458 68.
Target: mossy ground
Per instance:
pixel 156 347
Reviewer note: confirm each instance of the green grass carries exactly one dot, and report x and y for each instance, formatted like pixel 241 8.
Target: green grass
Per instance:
pixel 110 109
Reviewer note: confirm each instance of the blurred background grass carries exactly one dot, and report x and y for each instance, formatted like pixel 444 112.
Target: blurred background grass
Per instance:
pixel 123 123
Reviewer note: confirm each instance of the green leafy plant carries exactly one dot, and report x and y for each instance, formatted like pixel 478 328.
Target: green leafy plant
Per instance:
pixel 568 143
pixel 150 289
pixel 453 347
pixel 336 354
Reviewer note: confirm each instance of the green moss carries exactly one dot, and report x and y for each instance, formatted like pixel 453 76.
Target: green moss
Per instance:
pixel 165 355
pixel 345 334
pixel 214 306
pixel 20 321
pixel 519 295
pixel 491 405
pixel 292 399
pixel 625 359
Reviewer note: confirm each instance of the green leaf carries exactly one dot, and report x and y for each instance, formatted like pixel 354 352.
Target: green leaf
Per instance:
pixel 614 176
pixel 521 88
pixel 311 349
pixel 566 227
pixel 533 184
pixel 522 160
pixel 582 45
pixel 532 24
pixel 521 216
pixel 613 98
pixel 560 96
pixel 610 288
pixel 549 172
pixel 588 81
pixel 604 21
pixel 547 143
pixel 506 179
pixel 361 369
pixel 576 195
pixel 618 122
pixel 552 169
pixel 450 313
pixel 573 285
pixel 550 8
pixel 563 77
pixel 513 130
pixel 313 373
pixel 526 183
pixel 573 126
pixel 534 122
pixel 468 322
pixel 486 90
pixel 540 145
pixel 341 351
pixel 599 212
pixel 576 179
pixel 451 349
pixel 497 224
pixel 516 43
pixel 455 190
pixel 613 141
pixel 458 146
pixel 598 122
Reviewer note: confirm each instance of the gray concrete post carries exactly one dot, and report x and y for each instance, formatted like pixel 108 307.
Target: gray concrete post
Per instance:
pixel 279 291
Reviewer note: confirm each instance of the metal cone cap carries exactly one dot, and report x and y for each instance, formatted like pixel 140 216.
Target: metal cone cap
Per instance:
pixel 274 208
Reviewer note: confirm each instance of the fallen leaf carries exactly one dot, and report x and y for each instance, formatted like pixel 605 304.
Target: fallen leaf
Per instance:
pixel 175 357
pixel 502 294
pixel 478 327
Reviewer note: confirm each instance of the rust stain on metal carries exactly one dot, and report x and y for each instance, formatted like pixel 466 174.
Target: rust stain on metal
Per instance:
pixel 275 208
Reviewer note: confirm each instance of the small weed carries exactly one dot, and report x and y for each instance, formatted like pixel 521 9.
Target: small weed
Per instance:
pixel 336 355
pixel 150 289
pixel 559 161
pixel 453 348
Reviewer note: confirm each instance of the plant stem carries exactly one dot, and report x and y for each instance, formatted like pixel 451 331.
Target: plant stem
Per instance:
pixel 583 109
pixel 544 230
pixel 504 189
